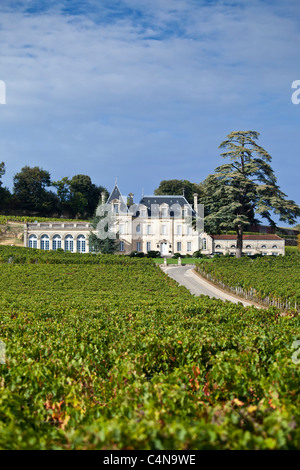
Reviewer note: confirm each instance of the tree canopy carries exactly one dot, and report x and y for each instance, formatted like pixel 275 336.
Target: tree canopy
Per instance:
pixel 2 171
pixel 5 195
pixel 179 187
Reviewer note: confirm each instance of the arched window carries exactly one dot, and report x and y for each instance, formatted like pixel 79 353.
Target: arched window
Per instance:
pixel 218 246
pixel 248 247
pixel 138 228
pixel 69 243
pixel 264 246
pixel 56 242
pixel 45 242
pixel 32 241
pixel 232 246
pixel 81 244
pixel 274 247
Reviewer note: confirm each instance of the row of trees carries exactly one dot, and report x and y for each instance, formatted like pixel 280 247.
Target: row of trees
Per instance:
pixel 75 197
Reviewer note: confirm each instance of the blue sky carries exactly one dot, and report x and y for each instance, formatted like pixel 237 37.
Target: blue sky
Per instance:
pixel 146 90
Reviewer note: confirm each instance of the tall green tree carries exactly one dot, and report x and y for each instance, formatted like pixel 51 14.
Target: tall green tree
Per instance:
pixel 244 187
pixel 5 195
pixel 30 190
pixel 179 187
pixel 2 171
pixel 90 193
pixel 63 189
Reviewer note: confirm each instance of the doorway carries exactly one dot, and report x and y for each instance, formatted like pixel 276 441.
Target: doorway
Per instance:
pixel 164 249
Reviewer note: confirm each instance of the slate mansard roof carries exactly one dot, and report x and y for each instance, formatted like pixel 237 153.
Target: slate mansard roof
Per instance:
pixel 116 195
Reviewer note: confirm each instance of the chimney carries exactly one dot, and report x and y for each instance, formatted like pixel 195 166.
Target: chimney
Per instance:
pixel 130 199
pixel 103 198
pixel 195 202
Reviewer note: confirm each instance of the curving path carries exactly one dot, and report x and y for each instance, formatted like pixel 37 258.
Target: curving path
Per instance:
pixel 185 276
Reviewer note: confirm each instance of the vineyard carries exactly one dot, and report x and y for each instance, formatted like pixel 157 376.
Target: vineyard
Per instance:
pixel 269 280
pixel 107 352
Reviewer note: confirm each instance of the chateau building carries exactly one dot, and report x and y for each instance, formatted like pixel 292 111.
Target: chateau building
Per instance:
pixel 168 224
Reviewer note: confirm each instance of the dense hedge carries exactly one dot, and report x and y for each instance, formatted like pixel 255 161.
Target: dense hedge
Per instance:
pixel 118 356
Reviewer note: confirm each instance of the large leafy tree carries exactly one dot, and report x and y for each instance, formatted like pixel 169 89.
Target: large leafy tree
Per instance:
pixel 100 242
pixel 244 187
pixel 2 171
pixel 30 190
pixel 179 187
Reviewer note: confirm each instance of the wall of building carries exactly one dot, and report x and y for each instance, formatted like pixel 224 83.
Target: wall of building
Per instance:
pixel 250 247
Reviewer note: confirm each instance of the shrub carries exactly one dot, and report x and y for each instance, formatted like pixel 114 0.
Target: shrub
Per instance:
pixel 153 254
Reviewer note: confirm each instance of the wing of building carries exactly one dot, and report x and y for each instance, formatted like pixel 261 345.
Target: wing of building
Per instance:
pixel 265 244
pixel 157 223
